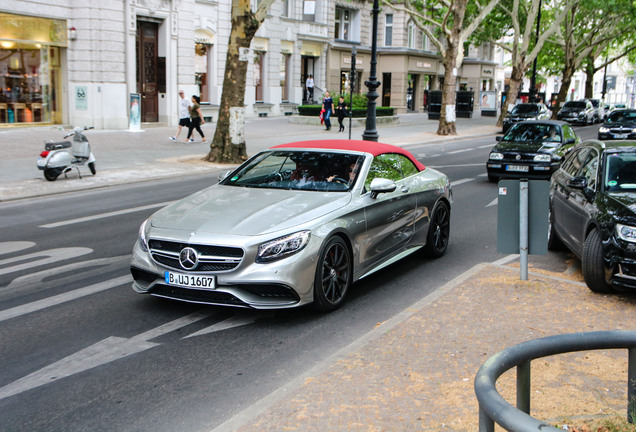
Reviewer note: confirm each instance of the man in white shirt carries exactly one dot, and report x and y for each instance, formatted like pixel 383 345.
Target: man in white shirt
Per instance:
pixel 310 88
pixel 184 114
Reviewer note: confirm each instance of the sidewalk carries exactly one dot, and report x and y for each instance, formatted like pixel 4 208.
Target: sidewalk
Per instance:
pixel 124 157
pixel 415 372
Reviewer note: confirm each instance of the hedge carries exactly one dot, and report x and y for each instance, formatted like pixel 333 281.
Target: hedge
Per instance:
pixel 314 110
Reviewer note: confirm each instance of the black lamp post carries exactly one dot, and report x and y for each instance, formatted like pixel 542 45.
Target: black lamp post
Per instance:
pixel 533 78
pixel 370 133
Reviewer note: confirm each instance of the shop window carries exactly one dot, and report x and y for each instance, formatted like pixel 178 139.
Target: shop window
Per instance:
pixel 258 76
pixel 345 82
pixel 28 82
pixel 284 76
pixel 388 30
pixel 201 67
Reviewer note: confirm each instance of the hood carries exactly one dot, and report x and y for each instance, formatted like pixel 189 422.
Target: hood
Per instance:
pixel 571 110
pixel 622 205
pixel 247 211
pixel 523 115
pixel 527 146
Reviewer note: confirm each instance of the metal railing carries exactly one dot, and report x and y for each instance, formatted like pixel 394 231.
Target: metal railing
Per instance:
pixel 493 408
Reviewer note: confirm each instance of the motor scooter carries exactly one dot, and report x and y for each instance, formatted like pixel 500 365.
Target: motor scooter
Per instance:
pixel 62 156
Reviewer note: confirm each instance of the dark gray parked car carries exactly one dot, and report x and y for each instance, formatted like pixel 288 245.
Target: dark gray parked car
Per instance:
pixel 526 111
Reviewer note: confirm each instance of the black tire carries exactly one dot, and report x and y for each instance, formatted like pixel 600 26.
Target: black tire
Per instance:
pixel 438 231
pixel 91 166
pixel 593 265
pixel 492 178
pixel 554 242
pixel 333 275
pixel 52 173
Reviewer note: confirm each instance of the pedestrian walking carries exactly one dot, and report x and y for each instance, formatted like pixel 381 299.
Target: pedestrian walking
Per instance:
pixel 310 88
pixel 327 106
pixel 196 119
pixel 341 113
pixel 184 114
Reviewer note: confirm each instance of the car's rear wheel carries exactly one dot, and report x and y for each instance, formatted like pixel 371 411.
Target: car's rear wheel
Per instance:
pixel 438 231
pixel 333 275
pixel 593 265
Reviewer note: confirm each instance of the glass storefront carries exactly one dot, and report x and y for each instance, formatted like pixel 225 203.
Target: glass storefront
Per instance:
pixel 30 69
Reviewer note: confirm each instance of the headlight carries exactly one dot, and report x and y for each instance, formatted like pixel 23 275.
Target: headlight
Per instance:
pixel 603 129
pixel 626 232
pixel 542 158
pixel 282 247
pixel 496 156
pixel 143 233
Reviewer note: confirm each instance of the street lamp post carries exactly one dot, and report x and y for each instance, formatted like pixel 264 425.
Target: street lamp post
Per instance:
pixel 533 78
pixel 370 133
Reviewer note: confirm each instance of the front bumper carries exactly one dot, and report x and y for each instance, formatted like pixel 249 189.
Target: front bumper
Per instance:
pixel 530 170
pixel 281 284
pixel 620 260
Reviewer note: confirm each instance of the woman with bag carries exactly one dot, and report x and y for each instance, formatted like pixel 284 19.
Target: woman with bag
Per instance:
pixel 341 112
pixel 196 119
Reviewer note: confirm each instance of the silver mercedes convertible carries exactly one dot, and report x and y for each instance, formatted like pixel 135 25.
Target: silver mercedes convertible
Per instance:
pixel 296 224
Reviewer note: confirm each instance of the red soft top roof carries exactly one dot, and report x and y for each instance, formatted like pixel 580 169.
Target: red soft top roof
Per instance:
pixel 353 145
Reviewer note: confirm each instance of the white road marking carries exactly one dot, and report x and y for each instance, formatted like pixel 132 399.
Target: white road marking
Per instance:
pixel 493 203
pixel 45 257
pixel 455 166
pixel 105 351
pixel 105 215
pixel 63 298
pixel 486 146
pixel 234 321
pixel 38 277
pixel 461 181
pixel 460 151
pixel 10 247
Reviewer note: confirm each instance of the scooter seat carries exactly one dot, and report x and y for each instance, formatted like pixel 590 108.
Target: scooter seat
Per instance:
pixel 57 145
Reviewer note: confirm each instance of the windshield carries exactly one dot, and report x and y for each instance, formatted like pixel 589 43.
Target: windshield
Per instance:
pixel 534 132
pixel 627 116
pixel 594 103
pixel 620 172
pixel 576 105
pixel 299 169
pixel 525 109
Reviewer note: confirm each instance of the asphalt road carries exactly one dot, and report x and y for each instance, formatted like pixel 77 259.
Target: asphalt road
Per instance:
pixel 81 351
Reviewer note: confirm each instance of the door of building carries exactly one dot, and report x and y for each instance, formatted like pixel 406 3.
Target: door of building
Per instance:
pixel 147 76
pixel 307 68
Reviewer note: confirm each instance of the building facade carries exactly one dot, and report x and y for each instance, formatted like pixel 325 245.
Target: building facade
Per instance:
pixel 112 63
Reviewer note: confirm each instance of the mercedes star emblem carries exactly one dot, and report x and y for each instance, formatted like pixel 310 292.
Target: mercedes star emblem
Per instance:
pixel 188 258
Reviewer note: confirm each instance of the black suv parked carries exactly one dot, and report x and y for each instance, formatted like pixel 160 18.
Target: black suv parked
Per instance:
pixel 593 212
pixel 526 111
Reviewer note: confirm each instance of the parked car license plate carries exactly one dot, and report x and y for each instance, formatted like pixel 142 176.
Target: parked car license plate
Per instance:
pixel 190 281
pixel 519 168
pixel 620 136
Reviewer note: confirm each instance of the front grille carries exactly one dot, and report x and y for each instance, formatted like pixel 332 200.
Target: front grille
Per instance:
pixel 212 258
pixel 196 296
pixel 512 157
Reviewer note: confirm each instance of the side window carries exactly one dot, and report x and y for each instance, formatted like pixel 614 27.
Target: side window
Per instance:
pixel 574 161
pixel 390 166
pixel 590 169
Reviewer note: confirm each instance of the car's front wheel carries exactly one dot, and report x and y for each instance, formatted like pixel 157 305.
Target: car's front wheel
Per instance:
pixel 593 265
pixel 438 231
pixel 333 275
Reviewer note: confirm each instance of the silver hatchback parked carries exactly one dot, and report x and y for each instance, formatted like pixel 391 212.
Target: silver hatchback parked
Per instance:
pixel 295 224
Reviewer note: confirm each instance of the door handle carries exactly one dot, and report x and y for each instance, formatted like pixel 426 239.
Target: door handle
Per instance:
pixel 405 189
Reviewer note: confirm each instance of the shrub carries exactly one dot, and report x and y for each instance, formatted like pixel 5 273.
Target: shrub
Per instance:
pixel 358 111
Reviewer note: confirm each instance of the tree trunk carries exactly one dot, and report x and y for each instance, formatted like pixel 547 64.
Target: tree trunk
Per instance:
pixel 228 145
pixel 447 116
pixel 563 92
pixel 516 77
pixel 589 78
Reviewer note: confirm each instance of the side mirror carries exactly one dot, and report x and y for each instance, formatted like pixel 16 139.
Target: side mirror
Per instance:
pixel 224 175
pixel 498 138
pixel 570 141
pixel 577 183
pixel 381 185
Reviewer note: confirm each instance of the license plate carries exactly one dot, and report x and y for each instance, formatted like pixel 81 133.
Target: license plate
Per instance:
pixel 620 136
pixel 190 281
pixel 519 168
